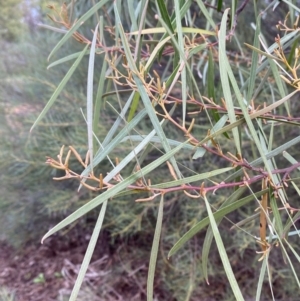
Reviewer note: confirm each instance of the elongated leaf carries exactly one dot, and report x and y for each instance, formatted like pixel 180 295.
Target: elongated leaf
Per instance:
pixel 183 29
pixel 99 97
pixel 290 262
pixel 133 17
pixel 222 252
pixel 209 234
pixel 276 213
pixel 291 220
pixel 292 52
pixel 272 106
pixel 67 58
pixel 290 158
pixel 60 30
pixel 294 252
pixel 88 254
pixel 183 73
pixel 154 250
pixel 205 222
pixel 289 3
pixel 219 5
pixel 233 12
pixel 225 81
pixel 134 106
pixel 261 279
pixel 80 21
pixel 59 88
pixel 211 78
pixel 141 10
pixel 89 98
pixel 164 13
pixel 206 13
pixel 196 50
pixel 199 177
pixel 155 52
pixel 254 63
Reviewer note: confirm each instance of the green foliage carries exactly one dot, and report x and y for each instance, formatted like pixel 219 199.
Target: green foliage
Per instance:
pixel 28 195
pixel 198 120
pixel 240 106
pixel 11 25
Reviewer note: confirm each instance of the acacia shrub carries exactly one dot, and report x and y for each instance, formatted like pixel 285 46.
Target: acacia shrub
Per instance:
pixel 236 125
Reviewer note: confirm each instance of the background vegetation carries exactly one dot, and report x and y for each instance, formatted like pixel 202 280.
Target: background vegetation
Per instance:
pixel 31 202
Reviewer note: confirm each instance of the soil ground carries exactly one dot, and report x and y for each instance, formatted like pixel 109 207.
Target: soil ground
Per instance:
pixel 48 272
pixel 38 272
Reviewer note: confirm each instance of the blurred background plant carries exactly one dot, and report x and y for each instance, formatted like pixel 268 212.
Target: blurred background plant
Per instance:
pixel 25 87
pixel 31 202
